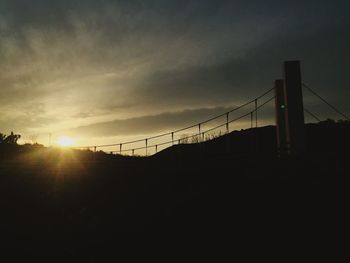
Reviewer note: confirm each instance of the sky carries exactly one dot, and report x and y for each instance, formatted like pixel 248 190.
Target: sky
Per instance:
pixel 103 71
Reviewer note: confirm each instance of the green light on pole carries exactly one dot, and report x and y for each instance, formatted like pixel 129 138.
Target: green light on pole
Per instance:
pixel 283 106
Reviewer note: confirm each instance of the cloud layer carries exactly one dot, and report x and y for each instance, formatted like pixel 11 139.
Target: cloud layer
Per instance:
pixel 66 64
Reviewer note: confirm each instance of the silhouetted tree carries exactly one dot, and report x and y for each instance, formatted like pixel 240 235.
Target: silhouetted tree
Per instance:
pixel 328 122
pixel 2 137
pixel 344 121
pixel 10 139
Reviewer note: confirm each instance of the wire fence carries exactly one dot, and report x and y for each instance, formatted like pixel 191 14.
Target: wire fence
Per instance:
pixel 200 133
pixel 335 109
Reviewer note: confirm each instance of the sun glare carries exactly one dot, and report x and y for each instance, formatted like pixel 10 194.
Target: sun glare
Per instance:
pixel 65 141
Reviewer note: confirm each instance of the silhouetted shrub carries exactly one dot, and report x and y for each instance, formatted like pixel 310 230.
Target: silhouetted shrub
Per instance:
pixel 327 122
pixel 343 121
pixel 2 137
pixel 10 139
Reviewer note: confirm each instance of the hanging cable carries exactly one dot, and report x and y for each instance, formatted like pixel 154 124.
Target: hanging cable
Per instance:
pixel 186 128
pixel 312 115
pixel 202 133
pixel 330 105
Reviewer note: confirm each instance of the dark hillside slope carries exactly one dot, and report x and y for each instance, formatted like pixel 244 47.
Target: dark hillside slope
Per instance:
pixel 78 203
pixel 325 137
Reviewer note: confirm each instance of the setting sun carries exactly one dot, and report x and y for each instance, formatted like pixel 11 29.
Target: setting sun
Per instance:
pixel 65 141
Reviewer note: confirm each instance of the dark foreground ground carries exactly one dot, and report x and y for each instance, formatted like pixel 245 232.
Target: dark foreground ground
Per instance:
pixel 70 203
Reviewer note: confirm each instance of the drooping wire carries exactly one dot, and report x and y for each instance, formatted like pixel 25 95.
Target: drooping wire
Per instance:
pixel 204 132
pixel 322 99
pixel 312 114
pixel 180 130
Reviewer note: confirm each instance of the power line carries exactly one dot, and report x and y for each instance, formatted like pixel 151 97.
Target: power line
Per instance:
pixel 330 105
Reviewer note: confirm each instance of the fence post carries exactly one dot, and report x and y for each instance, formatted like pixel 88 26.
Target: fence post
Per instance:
pixel 199 132
pixel 251 119
pixel 295 127
pixel 227 124
pixel 256 113
pixel 146 147
pixel 120 149
pixel 253 134
pixel 280 108
pixel 172 138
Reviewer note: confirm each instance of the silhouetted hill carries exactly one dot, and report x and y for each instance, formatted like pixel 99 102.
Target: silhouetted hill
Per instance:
pixel 324 137
pixel 80 201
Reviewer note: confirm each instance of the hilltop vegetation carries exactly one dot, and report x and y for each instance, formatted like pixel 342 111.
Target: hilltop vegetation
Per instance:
pixel 9 139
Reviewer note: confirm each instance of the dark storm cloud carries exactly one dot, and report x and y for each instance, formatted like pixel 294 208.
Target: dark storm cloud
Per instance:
pixel 89 62
pixel 323 52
